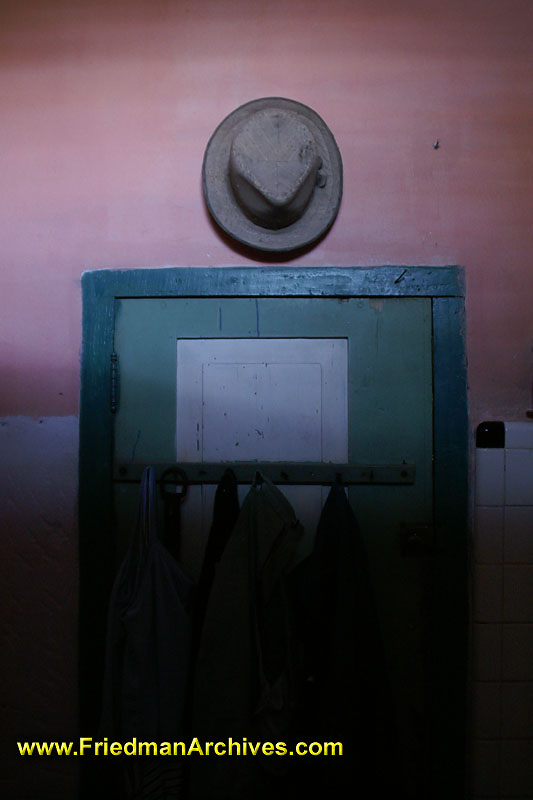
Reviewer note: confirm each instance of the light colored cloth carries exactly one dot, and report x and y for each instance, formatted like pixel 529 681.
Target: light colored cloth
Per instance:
pixel 148 649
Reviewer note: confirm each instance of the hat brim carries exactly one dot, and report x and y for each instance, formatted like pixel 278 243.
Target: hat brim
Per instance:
pixel 322 208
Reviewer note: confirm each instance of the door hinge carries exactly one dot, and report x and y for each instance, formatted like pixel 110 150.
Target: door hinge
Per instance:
pixel 114 382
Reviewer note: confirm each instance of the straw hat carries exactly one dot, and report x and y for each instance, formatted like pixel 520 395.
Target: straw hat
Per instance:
pixel 272 175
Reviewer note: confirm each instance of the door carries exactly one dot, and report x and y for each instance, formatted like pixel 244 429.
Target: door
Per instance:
pixel 209 379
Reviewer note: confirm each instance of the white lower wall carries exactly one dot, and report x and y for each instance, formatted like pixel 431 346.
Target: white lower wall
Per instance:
pixel 38 598
pixel 502 619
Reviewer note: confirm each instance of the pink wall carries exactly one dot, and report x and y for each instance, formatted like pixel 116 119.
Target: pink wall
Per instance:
pixel 107 108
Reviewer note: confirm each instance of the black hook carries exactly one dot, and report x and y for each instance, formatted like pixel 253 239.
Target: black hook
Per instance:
pixel 182 479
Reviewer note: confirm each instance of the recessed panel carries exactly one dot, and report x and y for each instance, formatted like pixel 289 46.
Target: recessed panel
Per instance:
pixel 262 400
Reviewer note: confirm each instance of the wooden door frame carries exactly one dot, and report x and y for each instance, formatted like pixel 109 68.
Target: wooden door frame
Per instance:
pixel 445 287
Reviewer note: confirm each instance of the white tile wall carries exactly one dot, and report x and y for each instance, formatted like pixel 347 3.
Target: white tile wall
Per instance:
pixel 490 474
pixel 502 619
pixel 518 477
pixel 518 538
pixel 517 710
pixel 488 593
pixel 518 593
pixel 486 710
pixel 485 768
pixel 516 777
pixel 487 651
pixel 518 435
pixel 488 535
pixel 517 652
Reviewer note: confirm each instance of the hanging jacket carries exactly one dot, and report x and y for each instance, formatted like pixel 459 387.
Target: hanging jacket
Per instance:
pixel 346 688
pixel 243 685
pixel 225 515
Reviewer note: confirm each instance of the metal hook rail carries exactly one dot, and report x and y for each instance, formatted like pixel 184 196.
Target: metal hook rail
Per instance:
pixel 283 473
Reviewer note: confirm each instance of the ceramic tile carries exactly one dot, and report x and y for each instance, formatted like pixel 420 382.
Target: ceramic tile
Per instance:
pixel 517 768
pixel 484 768
pixel 517 652
pixel 518 534
pixel 517 710
pixel 519 477
pixel 486 651
pixel 485 710
pixel 488 534
pixel 519 435
pixel 518 593
pixel 489 477
pixel 487 593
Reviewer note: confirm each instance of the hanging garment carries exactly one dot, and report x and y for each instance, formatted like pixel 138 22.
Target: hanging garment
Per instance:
pixel 172 503
pixel 225 515
pixel 346 695
pixel 148 647
pixel 243 685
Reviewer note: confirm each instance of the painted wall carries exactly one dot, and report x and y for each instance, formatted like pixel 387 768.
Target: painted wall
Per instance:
pixel 106 110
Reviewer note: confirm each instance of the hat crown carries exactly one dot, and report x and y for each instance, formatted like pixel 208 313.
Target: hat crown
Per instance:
pixel 273 167
pixel 272 175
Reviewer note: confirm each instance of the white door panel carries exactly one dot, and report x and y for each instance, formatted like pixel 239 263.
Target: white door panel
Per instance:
pixel 280 399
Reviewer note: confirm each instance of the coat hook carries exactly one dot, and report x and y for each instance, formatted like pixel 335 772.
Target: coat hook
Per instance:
pixel 177 477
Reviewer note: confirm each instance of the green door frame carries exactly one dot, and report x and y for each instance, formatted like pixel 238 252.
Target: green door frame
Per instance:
pixel 445 287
